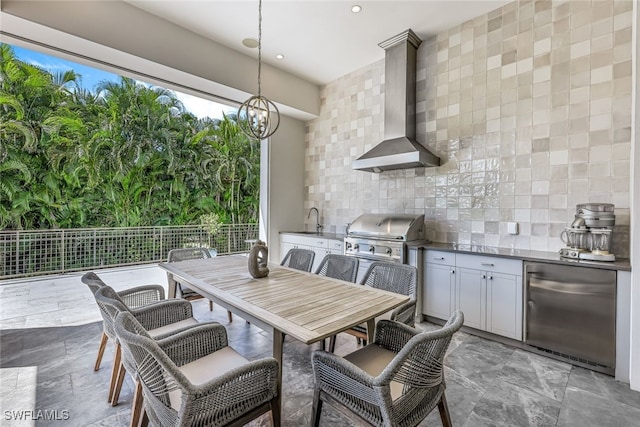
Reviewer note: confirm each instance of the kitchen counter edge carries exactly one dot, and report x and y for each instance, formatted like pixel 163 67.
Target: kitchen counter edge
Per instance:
pixel 621 264
pixel 333 236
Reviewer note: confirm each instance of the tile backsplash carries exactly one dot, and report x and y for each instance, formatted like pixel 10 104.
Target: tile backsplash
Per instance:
pixel 529 108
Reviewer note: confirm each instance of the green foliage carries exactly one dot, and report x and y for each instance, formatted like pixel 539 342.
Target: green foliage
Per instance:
pixel 211 223
pixel 126 155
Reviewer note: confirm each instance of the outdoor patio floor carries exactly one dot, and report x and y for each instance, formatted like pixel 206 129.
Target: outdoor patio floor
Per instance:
pixel 50 328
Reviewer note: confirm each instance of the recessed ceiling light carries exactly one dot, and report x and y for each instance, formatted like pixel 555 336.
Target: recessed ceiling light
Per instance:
pixel 356 8
pixel 279 56
pixel 250 43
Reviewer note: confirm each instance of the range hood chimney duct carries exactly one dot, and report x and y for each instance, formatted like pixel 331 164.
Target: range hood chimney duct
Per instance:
pixel 399 149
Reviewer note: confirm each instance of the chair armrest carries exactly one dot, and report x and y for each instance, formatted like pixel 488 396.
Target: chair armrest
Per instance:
pixel 163 313
pixel 142 295
pixel 194 342
pixel 239 390
pixel 334 372
pixel 393 335
pixel 425 350
pixel 406 313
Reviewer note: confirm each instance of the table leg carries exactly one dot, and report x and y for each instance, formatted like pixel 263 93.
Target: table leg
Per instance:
pixel 371 329
pixel 278 346
pixel 171 286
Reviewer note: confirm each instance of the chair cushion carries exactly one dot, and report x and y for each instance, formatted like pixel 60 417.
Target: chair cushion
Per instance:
pixel 207 368
pixel 172 327
pixel 373 359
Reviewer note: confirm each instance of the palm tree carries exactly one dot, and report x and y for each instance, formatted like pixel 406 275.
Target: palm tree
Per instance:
pixel 128 154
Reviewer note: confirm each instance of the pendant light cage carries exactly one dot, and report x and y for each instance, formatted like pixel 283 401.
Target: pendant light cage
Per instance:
pixel 257 116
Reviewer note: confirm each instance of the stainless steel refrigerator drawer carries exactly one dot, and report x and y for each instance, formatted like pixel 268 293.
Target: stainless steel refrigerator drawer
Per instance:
pixel 572 311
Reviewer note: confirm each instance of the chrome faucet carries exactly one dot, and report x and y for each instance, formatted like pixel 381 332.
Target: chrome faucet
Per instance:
pixel 318 225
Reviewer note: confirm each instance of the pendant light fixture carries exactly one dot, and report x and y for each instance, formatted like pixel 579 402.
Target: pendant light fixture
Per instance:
pixel 258 117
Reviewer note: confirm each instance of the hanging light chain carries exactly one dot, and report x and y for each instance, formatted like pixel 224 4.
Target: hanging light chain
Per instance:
pixel 259 46
pixel 257 116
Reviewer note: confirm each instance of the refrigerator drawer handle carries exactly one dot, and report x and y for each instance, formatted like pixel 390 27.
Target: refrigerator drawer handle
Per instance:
pixel 487 264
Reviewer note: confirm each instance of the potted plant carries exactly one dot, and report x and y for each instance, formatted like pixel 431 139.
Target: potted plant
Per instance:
pixel 211 224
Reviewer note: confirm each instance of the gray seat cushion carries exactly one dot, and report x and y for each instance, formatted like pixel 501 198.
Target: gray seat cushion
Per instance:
pixel 373 359
pixel 207 368
pixel 172 327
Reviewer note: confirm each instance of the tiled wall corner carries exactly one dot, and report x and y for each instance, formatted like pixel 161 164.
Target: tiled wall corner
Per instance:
pixel 529 108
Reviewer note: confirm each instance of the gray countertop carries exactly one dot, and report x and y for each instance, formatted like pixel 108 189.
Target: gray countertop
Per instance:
pixel 334 236
pixel 522 254
pixel 622 264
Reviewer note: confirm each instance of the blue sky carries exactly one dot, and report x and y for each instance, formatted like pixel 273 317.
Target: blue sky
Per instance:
pixel 91 77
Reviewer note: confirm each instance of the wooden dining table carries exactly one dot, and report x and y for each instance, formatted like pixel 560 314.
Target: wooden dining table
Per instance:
pixel 305 306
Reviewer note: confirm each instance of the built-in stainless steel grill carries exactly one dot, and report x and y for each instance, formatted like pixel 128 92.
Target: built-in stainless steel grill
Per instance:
pixel 383 237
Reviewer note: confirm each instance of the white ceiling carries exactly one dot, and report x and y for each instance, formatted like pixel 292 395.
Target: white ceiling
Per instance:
pixel 321 40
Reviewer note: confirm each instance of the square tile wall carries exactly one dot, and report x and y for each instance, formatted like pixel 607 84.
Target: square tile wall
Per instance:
pixel 529 108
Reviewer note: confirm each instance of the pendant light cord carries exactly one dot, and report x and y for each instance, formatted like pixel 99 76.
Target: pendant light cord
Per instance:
pixel 259 118
pixel 259 46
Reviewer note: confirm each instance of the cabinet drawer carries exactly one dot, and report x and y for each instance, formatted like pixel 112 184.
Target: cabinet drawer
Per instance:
pixel 489 263
pixel 336 246
pixel 318 242
pixel 440 257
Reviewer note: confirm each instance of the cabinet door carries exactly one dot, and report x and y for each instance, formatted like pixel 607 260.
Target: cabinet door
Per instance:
pixel 286 246
pixel 336 247
pixel 319 256
pixel 471 292
pixel 504 305
pixel 439 287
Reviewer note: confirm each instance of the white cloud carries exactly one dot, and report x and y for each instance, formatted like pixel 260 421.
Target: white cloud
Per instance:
pixel 50 66
pixel 202 108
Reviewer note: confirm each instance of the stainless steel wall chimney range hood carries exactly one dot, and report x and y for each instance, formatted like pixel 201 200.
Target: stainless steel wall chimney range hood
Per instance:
pixel 399 149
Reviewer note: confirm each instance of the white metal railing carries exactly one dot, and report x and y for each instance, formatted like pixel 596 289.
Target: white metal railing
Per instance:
pixel 38 252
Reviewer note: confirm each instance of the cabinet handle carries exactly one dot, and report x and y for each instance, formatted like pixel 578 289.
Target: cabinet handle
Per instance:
pixel 484 276
pixel 490 277
pixel 453 272
pixel 438 258
pixel 487 264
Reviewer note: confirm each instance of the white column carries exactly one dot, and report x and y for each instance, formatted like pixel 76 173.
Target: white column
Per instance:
pixel 634 377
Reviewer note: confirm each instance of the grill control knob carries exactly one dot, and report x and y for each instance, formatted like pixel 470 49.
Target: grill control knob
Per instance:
pixel 372 249
pixel 348 245
pixel 388 251
pixel 356 247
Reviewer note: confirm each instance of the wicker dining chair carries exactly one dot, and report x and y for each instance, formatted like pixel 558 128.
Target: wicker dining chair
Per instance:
pixel 392 277
pixel 395 381
pixel 194 378
pixel 341 267
pixel 300 259
pixel 160 319
pixel 134 297
pixel 184 254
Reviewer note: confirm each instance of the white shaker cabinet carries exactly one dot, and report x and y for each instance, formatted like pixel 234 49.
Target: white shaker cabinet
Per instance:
pixel 335 246
pixel 488 290
pixel 321 246
pixel 471 297
pixel 504 305
pixel 439 284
